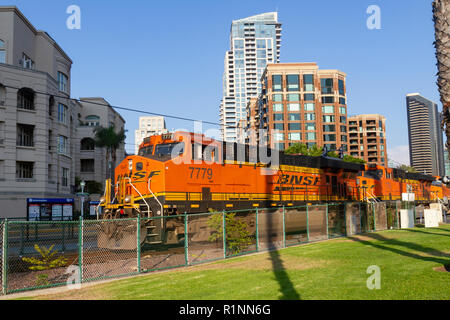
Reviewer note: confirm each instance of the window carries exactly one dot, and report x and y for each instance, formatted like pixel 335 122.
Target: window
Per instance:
pixel 277 107
pixel 260 53
pixel 278 136
pixel 92 121
pixel 2 133
pixel 51 105
pixel 341 100
pixel 2 95
pixel 343 138
pixel 310 126
pixel 308 80
pixel 279 146
pixel 278 97
pixel 327 85
pixel 329 128
pixel 62 82
pixel 293 97
pixel 382 147
pixel 260 44
pixel 278 117
pixel 87 144
pixel 295 136
pixel 87 165
pixel 62 113
pixel 25 99
pixel 310 116
pixel 308 97
pixel 292 82
pixel 238 44
pixel 294 126
pixel 328 118
pixel 329 137
pixel 327 109
pixel 309 106
pixel 65 177
pixel 277 84
pixel 26 62
pixel 343 119
pixel 62 145
pixel 294 116
pixel 293 107
pixel 342 110
pixel 341 87
pixel 278 126
pixel 310 136
pixel 24 170
pixel 330 146
pixel 343 129
pixel 327 99
pixel 2 52
pixel 25 134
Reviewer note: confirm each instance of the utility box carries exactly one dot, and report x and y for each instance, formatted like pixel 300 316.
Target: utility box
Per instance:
pixel 407 218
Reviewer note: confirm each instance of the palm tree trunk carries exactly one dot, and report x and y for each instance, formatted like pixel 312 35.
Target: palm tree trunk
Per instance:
pixel 441 18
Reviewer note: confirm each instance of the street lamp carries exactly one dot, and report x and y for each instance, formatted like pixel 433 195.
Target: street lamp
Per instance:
pixel 82 184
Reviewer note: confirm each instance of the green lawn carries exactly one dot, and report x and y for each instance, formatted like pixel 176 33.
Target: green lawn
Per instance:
pixel 334 269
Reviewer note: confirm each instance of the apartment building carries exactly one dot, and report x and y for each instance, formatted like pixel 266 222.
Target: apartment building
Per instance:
pixel 367 137
pixel 301 103
pixel 426 146
pixel 148 126
pixel 254 42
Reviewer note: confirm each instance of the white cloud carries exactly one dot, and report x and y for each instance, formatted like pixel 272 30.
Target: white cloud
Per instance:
pixel 399 154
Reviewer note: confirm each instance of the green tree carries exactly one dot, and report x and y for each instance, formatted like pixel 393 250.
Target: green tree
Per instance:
pixel 111 140
pixel 315 151
pixel 406 168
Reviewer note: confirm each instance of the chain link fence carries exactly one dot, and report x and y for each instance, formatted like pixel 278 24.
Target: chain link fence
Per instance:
pixel 45 254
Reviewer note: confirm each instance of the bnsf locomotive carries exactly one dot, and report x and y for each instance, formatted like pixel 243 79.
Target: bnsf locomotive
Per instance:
pixel 186 172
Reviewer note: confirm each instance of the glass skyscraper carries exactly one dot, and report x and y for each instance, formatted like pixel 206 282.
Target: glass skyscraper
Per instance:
pixel 254 42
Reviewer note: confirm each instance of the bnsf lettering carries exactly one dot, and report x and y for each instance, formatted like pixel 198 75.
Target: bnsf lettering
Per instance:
pixel 298 180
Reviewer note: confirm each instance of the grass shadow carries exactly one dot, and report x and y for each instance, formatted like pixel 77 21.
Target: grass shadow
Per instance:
pixel 430 233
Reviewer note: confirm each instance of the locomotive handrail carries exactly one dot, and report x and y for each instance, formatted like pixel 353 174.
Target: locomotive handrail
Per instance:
pixel 148 186
pixel 148 207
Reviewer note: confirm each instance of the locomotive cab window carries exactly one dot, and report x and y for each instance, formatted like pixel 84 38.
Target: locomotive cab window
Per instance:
pixel 139 166
pixel 167 149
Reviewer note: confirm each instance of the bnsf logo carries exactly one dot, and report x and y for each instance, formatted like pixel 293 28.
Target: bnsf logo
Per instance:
pixel 298 180
pixel 142 174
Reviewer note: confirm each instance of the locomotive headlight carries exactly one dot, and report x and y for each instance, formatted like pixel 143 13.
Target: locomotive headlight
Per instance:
pixel 102 200
pixel 127 199
pixel 446 180
pixel 130 164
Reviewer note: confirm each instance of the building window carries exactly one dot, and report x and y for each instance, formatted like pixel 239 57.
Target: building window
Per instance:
pixel 2 95
pixel 62 82
pixel 62 145
pixel 26 62
pixel 278 136
pixel 277 83
pixel 327 85
pixel 25 135
pixel 310 136
pixel 343 138
pixel 343 129
pixel 341 100
pixel 293 97
pixel 327 99
pixel 310 116
pixel 343 119
pixel 24 170
pixel 328 119
pixel 294 126
pixel 278 97
pixel 87 144
pixel 295 136
pixel 51 105
pixel 308 97
pixel 87 165
pixel 308 82
pixel 277 107
pixel 310 126
pixel 93 121
pixel 279 146
pixel 292 82
pixel 62 113
pixel 2 52
pixel 278 126
pixel 330 146
pixel 329 128
pixel 278 117
pixel 65 177
pixel 293 107
pixel 329 137
pixel 327 109
pixel 309 106
pixel 341 87
pixel 294 116
pixel 25 99
pixel 342 110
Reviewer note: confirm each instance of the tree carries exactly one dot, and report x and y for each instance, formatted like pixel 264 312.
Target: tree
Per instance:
pixel 406 168
pixel 441 18
pixel 111 140
pixel 315 151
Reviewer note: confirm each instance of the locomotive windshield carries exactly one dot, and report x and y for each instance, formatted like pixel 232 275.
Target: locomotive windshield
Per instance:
pixel 167 149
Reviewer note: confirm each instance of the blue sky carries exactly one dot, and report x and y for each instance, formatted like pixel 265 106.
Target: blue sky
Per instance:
pixel 167 56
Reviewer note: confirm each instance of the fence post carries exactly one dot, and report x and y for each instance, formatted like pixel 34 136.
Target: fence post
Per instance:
pixel 63 236
pixel 374 221
pixel 284 229
pixel 307 223
pixel 80 247
pixel 345 217
pixel 5 258
pixel 257 231
pixel 396 213
pixel 186 255
pixel 138 244
pixel 326 207
pixel 224 235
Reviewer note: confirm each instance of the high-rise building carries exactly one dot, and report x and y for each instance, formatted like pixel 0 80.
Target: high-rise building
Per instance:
pixel 148 126
pixel 301 104
pixel 426 147
pixel 367 138
pixel 254 42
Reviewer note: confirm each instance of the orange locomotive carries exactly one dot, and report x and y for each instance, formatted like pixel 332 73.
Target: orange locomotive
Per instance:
pixel 185 172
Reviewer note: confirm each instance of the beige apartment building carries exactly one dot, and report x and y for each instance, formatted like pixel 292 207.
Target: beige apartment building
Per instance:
pixel 148 126
pixel 367 136
pixel 301 103
pixel 41 128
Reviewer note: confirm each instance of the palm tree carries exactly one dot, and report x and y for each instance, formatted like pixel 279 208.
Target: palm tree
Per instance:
pixel 441 18
pixel 111 140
